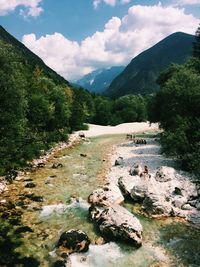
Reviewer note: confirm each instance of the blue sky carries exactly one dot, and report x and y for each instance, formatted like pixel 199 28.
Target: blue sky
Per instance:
pixel 75 37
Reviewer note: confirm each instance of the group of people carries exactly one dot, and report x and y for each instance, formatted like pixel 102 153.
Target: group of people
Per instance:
pixel 136 141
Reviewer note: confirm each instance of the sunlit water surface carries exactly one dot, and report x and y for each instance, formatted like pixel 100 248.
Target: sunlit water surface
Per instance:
pixel 166 242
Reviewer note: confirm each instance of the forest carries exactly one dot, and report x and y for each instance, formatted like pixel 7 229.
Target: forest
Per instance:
pixel 38 111
pixel 176 106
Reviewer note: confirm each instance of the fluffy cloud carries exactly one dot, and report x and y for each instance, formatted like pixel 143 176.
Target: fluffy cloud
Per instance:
pixel 117 44
pixel 32 7
pixel 96 3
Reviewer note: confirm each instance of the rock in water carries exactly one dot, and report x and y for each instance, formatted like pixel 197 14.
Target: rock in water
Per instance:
pixel 108 194
pixel 74 241
pixel 117 223
pixel 57 165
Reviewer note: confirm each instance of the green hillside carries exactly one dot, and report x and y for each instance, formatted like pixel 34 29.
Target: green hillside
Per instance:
pixel 37 106
pixel 139 77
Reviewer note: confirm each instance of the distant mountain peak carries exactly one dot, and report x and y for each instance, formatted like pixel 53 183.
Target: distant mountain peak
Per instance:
pixel 99 80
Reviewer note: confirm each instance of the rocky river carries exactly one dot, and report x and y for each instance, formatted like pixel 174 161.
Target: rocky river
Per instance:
pixel 51 199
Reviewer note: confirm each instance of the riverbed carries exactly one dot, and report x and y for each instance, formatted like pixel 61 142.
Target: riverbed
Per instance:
pixel 64 192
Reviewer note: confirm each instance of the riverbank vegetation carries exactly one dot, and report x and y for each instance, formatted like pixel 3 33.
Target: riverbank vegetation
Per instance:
pixel 39 108
pixel 177 107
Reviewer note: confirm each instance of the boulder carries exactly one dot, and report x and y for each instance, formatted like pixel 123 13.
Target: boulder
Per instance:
pixel 3 186
pixel 198 206
pixel 83 155
pixel 73 241
pixel 40 165
pixel 119 161
pixel 126 184
pixel 165 174
pixel 117 223
pixel 157 205
pixel 139 191
pixel 177 191
pixel 135 170
pixel 57 165
pixel 30 185
pixel 179 201
pixel 81 135
pixel 187 207
pixel 105 195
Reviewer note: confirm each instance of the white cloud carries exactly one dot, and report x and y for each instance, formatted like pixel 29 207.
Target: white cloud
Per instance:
pixel 112 3
pixel 32 7
pixel 120 41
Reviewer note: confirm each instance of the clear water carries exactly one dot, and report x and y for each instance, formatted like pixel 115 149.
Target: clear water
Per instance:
pixel 166 242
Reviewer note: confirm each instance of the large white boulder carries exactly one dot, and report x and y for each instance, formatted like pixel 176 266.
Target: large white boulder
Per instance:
pixel 126 183
pixel 117 223
pixel 165 174
pixel 108 194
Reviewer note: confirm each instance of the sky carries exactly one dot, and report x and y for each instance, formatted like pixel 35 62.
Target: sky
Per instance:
pixel 75 37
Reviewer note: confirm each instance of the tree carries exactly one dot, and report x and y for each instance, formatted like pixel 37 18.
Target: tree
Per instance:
pixel 131 108
pixel 177 106
pixel 13 107
pixel 196 45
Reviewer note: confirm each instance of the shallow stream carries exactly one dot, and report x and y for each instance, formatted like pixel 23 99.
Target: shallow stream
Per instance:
pixel 169 242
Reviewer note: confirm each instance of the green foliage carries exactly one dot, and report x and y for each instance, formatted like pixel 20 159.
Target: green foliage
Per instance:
pixel 103 111
pixel 176 107
pixel 38 108
pixel 139 77
pixel 35 111
pixel 82 110
pixel 13 122
pixel 9 242
pixel 130 108
pixel 196 45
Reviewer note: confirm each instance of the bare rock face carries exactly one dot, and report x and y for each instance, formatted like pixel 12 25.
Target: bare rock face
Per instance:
pixel 165 174
pixel 117 223
pixel 106 195
pixel 73 241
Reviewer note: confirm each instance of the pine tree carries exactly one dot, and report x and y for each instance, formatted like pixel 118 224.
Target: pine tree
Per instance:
pixel 196 45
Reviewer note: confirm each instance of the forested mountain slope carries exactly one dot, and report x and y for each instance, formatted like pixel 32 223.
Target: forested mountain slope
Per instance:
pixel 29 57
pixel 139 77
pixel 37 106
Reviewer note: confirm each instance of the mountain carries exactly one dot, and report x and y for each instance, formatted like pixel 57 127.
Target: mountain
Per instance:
pixel 139 77
pixel 29 57
pixel 99 80
pixel 38 107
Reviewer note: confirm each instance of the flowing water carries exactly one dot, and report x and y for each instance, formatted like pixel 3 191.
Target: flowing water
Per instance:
pixel 166 242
